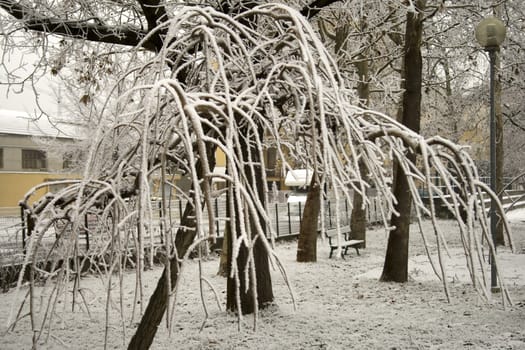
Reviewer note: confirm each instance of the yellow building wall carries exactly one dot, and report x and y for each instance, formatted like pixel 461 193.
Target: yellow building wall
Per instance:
pixel 14 186
pixel 477 139
pixel 220 158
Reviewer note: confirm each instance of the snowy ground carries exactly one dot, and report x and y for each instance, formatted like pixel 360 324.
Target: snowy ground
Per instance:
pixel 340 305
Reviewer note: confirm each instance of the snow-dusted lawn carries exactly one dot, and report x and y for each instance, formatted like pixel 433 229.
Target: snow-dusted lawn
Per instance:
pixel 340 305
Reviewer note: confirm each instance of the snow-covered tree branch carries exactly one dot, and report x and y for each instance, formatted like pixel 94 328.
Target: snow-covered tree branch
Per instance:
pixel 247 87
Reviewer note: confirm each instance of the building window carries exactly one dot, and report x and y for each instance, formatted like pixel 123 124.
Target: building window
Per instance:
pixel 1 158
pixel 67 161
pixel 34 159
pixel 271 161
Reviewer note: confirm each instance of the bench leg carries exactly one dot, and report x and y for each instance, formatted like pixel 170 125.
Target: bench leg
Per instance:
pixel 346 250
pixel 342 252
pixel 357 250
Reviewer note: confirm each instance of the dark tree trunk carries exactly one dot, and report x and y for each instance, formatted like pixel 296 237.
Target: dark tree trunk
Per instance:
pixel 223 261
pixel 358 218
pixel 307 243
pixel 245 284
pixel 262 278
pixel 150 321
pixel 396 260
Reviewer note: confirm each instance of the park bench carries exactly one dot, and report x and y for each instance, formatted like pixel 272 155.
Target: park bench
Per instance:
pixel 345 241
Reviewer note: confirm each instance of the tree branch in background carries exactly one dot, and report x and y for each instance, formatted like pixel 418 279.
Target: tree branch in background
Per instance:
pixel 86 29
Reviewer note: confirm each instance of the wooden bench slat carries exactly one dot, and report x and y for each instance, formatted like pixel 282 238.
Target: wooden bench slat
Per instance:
pixel 348 243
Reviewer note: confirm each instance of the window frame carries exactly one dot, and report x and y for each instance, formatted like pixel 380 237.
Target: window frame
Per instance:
pixel 30 160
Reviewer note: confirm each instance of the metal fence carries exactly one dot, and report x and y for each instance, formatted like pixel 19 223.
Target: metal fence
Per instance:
pixel 10 239
pixel 285 219
pixel 517 185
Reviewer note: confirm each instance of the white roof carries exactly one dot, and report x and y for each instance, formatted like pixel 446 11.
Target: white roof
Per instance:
pixel 219 170
pixel 298 177
pixel 297 199
pixel 21 123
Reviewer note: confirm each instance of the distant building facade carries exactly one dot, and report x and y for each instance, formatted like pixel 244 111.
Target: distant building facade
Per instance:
pixel 24 161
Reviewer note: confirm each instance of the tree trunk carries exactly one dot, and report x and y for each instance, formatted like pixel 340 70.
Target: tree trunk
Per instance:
pixel 358 218
pixel 150 321
pixel 396 260
pixel 223 261
pixel 247 295
pixel 307 243
pixel 244 285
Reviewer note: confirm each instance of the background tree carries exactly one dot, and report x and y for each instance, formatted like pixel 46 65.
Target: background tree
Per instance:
pixel 366 58
pixel 456 83
pixel 307 240
pixel 396 260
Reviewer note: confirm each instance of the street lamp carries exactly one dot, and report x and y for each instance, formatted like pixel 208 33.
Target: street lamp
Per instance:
pixel 490 33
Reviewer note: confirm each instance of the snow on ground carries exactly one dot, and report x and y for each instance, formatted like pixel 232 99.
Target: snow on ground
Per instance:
pixel 517 215
pixel 340 305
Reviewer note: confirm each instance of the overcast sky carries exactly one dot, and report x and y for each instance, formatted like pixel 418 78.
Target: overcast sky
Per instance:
pixel 25 99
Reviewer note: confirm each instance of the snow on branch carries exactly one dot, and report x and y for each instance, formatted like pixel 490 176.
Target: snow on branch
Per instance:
pixel 258 80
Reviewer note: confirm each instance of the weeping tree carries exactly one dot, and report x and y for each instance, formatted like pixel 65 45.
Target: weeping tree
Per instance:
pixel 245 88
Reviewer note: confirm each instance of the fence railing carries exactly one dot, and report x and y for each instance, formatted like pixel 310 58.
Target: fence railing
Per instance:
pixel 285 219
pixel 508 183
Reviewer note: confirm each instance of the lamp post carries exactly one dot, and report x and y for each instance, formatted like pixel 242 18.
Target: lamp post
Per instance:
pixel 490 33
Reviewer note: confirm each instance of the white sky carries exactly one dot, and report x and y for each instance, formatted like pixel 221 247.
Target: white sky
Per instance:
pixel 25 99
pixel 18 98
